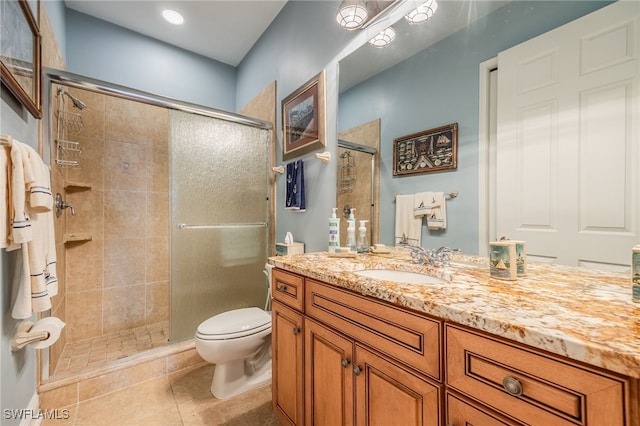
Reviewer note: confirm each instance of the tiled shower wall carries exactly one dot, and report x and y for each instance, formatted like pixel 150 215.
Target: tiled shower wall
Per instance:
pixel 119 279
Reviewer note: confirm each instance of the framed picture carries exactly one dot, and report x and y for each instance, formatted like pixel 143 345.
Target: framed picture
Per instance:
pixel 303 119
pixel 20 53
pixel 428 151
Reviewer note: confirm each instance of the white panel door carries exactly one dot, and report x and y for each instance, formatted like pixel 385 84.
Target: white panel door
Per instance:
pixel 568 154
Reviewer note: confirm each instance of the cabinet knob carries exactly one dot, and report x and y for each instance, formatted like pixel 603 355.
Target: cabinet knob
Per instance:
pixel 512 386
pixel 345 362
pixel 357 370
pixel 296 330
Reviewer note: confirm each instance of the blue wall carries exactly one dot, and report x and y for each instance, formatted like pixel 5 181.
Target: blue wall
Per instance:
pixel 302 40
pixel 107 52
pixel 439 86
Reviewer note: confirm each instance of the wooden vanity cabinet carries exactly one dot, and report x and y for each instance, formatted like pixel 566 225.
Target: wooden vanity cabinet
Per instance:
pixel 340 358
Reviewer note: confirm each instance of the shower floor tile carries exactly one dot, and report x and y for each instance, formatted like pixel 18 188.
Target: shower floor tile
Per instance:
pixel 96 351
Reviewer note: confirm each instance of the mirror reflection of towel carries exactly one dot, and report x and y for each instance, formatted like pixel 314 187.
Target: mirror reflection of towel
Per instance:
pixel 294 197
pixel 408 227
pixel 433 206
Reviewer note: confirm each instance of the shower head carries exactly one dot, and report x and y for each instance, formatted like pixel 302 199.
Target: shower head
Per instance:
pixel 76 102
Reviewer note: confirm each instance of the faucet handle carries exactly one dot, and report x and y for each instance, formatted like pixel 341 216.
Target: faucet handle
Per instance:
pixel 61 205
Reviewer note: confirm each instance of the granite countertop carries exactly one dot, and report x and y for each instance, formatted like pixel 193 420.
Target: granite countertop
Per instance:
pixel 583 314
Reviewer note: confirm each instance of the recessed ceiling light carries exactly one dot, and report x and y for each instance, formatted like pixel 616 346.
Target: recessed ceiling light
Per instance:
pixel 172 16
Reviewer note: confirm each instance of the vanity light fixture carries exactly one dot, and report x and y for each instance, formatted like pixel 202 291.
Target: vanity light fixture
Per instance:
pixel 172 17
pixel 423 12
pixel 352 14
pixel 383 38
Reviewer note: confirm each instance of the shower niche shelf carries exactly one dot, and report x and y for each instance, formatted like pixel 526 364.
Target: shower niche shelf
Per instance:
pixel 71 186
pixel 77 237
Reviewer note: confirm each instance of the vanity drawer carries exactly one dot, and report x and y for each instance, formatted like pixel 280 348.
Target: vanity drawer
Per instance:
pixel 532 386
pixel 288 288
pixel 406 336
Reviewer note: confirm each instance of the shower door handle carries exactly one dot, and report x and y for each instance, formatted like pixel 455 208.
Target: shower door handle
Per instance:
pixel 223 225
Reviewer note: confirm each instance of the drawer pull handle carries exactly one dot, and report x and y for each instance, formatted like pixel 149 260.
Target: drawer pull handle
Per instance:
pixel 512 386
pixel 296 330
pixel 345 362
pixel 357 370
pixel 282 288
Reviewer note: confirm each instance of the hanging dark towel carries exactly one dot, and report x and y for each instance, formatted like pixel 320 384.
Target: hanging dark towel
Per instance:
pixel 295 199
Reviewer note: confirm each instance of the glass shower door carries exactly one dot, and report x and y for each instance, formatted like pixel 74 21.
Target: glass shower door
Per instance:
pixel 219 219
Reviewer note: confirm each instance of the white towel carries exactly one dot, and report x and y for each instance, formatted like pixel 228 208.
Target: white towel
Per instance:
pixel 433 205
pixel 408 227
pixel 30 206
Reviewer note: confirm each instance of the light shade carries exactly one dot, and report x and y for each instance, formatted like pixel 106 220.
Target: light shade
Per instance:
pixel 172 17
pixel 383 38
pixel 422 12
pixel 352 14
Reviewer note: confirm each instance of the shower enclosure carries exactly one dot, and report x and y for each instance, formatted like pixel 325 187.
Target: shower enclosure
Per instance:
pixel 167 221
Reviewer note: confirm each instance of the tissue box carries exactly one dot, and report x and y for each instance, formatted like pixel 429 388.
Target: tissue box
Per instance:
pixel 283 249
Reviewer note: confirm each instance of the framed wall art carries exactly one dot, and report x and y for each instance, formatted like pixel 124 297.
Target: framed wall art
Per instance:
pixel 303 119
pixel 20 53
pixel 428 151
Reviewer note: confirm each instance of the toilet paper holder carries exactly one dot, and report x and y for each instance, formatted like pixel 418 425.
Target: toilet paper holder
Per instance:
pixel 23 336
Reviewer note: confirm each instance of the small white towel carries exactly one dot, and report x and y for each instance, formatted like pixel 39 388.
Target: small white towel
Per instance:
pixel 408 227
pixel 433 206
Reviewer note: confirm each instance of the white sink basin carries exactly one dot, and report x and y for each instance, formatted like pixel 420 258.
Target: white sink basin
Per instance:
pixel 400 276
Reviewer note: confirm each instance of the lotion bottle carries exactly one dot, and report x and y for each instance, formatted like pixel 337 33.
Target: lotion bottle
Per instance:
pixel 363 241
pixel 334 232
pixel 351 231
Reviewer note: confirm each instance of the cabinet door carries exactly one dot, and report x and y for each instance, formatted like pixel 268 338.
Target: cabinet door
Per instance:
pixel 287 364
pixel 389 394
pixel 328 376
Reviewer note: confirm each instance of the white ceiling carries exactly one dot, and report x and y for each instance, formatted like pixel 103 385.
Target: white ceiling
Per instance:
pixel 225 30
pixel 221 30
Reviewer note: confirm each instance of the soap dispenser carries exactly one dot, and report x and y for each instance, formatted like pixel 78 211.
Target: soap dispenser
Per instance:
pixel 363 240
pixel 334 232
pixel 351 231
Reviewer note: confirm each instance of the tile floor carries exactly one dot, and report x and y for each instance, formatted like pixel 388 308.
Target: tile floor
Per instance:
pixel 97 351
pixel 181 399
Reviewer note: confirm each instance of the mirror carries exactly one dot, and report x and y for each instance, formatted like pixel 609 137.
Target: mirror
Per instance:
pixel 371 69
pixel 358 176
pixel 429 77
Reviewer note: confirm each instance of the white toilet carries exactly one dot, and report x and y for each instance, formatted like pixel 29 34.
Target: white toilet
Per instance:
pixel 238 342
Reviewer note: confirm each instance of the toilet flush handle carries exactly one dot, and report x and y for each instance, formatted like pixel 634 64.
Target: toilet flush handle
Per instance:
pixel 61 205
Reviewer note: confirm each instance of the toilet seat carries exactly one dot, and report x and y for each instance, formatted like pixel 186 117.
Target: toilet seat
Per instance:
pixel 234 324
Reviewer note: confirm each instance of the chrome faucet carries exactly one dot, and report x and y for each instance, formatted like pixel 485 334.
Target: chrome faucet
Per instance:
pixel 422 256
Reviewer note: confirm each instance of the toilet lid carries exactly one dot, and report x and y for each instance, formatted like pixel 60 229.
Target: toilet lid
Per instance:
pixel 238 323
